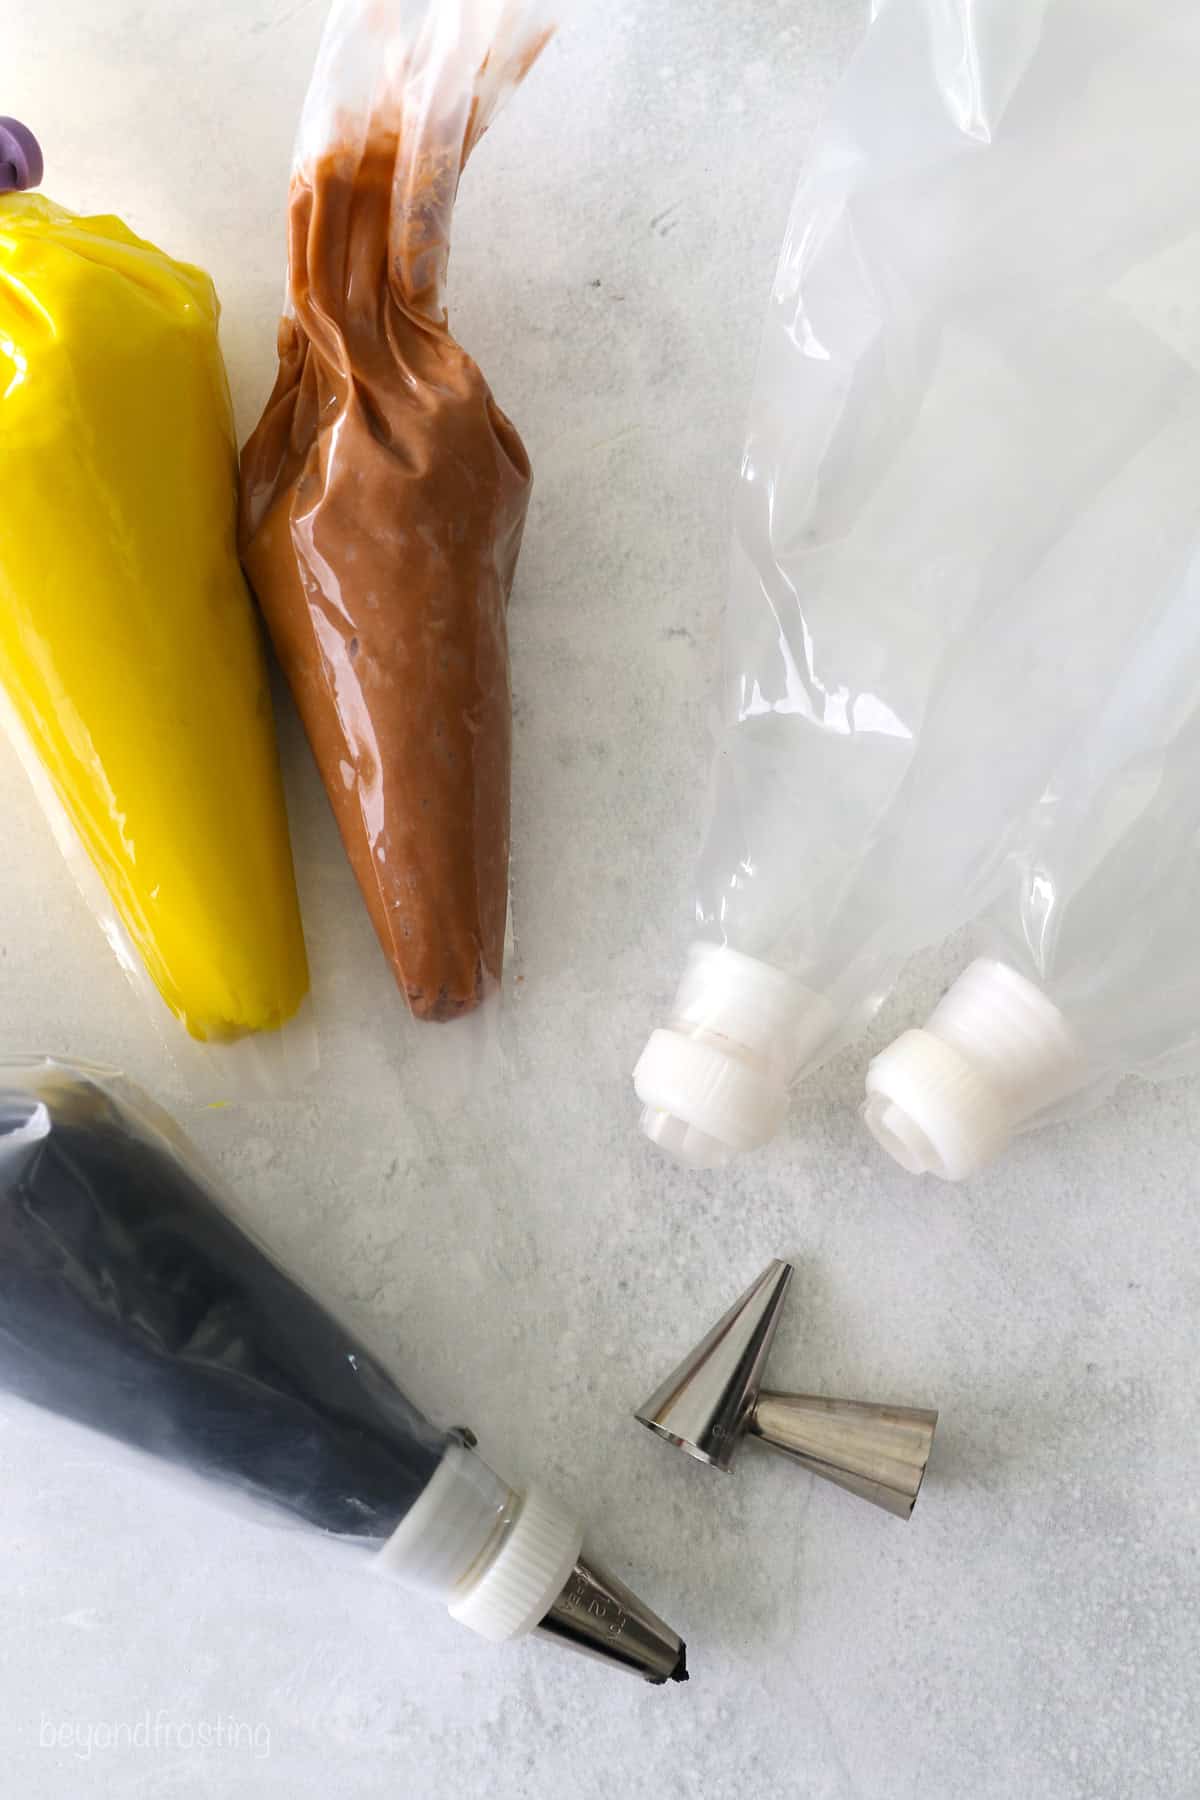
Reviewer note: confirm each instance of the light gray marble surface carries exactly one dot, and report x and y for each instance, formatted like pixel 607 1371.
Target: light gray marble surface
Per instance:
pixel 1033 1634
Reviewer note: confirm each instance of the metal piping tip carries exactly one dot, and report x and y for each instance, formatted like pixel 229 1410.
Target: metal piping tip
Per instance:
pixel 876 1452
pixel 704 1406
pixel 599 1616
pixel 713 1400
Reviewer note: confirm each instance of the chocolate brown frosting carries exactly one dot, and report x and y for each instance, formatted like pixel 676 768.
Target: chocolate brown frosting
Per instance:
pixel 383 498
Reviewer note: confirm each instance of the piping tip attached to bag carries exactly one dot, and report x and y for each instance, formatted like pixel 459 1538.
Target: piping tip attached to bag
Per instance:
pixel 598 1615
pixel 715 1399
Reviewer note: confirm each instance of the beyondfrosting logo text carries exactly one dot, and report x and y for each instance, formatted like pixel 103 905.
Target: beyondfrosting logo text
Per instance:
pixel 155 1732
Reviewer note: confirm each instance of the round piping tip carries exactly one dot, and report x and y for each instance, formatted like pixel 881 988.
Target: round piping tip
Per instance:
pixel 704 1405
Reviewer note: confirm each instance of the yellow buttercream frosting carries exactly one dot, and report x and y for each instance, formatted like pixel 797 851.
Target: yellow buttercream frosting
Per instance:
pixel 129 649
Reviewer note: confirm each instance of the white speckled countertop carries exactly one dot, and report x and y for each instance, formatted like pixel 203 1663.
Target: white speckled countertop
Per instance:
pixel 1033 1634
